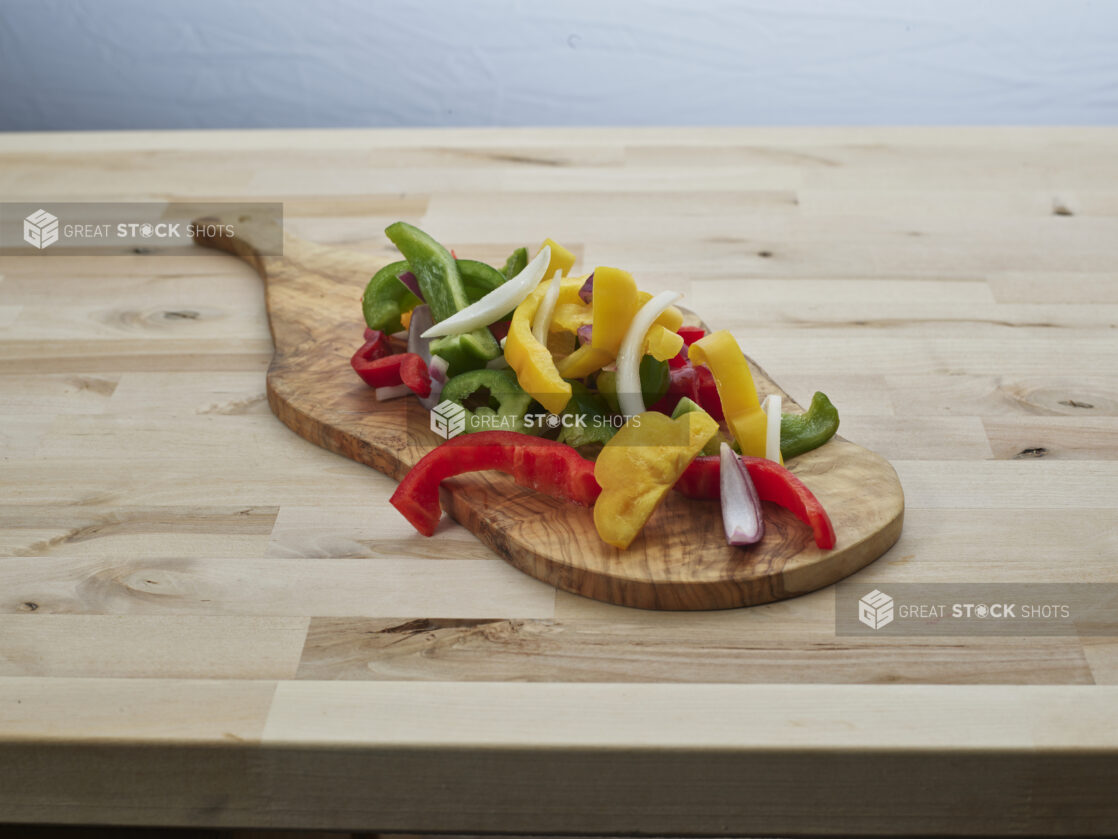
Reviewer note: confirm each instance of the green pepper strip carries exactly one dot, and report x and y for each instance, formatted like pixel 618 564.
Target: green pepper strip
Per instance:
pixel 441 283
pixel 591 420
pixel 386 298
pixel 478 278
pixel 801 433
pixel 517 262
pixel 433 266
pixel 512 400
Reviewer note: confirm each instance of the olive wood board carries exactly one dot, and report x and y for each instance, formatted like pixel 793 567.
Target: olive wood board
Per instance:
pixel 679 561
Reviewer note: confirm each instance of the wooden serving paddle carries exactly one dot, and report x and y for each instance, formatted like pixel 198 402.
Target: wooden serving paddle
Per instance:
pixel 679 561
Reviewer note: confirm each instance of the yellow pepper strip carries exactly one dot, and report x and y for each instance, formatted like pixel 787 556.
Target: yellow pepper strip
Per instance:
pixel 615 304
pixel 671 318
pixel 531 360
pixel 560 344
pixel 638 466
pixel 721 353
pixel 584 361
pixel 661 343
pixel 616 301
pixel 570 316
pixel 561 259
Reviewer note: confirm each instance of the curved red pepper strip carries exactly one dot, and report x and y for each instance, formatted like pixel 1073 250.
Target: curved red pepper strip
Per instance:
pixel 535 463
pixel 413 373
pixel 773 482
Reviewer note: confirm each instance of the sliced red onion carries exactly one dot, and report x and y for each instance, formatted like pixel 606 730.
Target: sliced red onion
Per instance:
pixel 409 279
pixel 741 507
pixel 421 320
pixel 586 293
pixel 585 333
pixel 392 392
pixel 436 369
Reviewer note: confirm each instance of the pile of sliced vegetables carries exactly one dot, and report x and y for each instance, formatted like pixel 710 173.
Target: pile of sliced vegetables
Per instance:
pixel 585 388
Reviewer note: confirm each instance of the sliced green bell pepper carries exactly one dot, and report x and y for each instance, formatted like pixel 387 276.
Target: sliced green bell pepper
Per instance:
pixel 386 298
pixel 517 262
pixel 441 283
pixel 801 433
pixel 493 400
pixel 590 420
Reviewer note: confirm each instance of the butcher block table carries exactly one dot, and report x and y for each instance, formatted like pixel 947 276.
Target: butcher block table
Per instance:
pixel 206 620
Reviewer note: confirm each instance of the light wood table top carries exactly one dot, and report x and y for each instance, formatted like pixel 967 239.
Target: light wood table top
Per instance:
pixel 206 620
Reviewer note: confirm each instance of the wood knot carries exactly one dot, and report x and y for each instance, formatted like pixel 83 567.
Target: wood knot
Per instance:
pixel 1038 451
pixel 29 606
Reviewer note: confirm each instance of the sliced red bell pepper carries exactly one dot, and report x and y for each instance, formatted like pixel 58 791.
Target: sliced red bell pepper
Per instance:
pixel 368 360
pixel 533 462
pixel 773 482
pixel 500 329
pixel 706 393
pixel 690 334
pixel 682 382
pixel 413 373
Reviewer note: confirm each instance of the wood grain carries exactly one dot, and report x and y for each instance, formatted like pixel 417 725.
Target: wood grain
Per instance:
pixel 922 277
pixel 679 561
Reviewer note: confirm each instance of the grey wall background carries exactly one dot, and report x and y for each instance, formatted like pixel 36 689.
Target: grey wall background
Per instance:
pixel 98 64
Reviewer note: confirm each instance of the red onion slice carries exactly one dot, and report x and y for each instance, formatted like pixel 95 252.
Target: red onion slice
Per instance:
pixel 586 293
pixel 741 506
pixel 412 283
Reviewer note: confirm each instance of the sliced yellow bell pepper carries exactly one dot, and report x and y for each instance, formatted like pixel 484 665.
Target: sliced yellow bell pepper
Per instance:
pixel 638 466
pixel 615 304
pixel 721 353
pixel 561 259
pixel 570 316
pixel 662 343
pixel 584 361
pixel 659 343
pixel 560 344
pixel 671 318
pixel 535 369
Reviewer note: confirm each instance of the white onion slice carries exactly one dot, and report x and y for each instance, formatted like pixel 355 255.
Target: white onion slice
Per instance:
pixel 499 301
pixel 546 311
pixel 421 320
pixel 771 406
pixel 392 392
pixel 741 507
pixel 629 396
